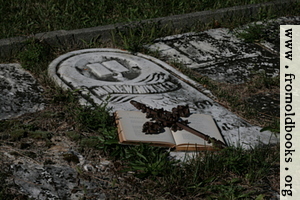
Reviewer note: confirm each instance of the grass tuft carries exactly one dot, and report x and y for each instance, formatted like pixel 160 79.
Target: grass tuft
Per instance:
pixel 33 55
pixel 134 38
pixel 148 161
pixel 93 118
pixel 228 174
pixel 34 16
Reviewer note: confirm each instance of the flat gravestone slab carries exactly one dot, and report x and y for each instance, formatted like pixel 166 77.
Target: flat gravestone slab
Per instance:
pixel 118 77
pixel 218 54
pixel 19 92
pixel 271 31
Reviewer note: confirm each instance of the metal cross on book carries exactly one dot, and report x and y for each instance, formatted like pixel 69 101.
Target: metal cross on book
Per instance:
pixel 161 118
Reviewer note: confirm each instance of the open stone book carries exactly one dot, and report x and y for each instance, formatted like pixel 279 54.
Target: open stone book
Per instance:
pixel 130 125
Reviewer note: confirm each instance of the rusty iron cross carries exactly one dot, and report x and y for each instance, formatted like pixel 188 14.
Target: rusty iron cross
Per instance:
pixel 161 118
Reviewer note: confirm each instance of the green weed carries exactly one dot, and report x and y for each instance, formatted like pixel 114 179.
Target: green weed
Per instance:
pixel 90 142
pixel 229 191
pixel 220 175
pixel 64 96
pixel 29 17
pixel 260 31
pixel 133 38
pixel 148 161
pixel 74 135
pixel 254 33
pixel 274 126
pixel 260 81
pixel 33 55
pixel 41 135
pixel 18 134
pixel 15 131
pixel 93 118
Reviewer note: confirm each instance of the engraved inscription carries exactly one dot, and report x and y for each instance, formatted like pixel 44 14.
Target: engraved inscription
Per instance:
pixel 109 73
pixel 226 126
pixel 203 104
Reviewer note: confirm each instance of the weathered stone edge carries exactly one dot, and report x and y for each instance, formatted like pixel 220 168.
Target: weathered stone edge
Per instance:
pixel 11 46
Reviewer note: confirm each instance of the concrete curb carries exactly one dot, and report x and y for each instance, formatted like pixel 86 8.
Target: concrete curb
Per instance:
pixel 11 46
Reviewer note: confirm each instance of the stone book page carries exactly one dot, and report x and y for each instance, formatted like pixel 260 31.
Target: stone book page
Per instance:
pixel 130 124
pixel 203 123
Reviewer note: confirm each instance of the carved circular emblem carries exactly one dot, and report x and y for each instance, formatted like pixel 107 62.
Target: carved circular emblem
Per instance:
pixel 111 71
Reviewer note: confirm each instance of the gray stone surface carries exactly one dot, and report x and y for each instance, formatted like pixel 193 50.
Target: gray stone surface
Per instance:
pixel 270 30
pixel 19 92
pixel 118 77
pixel 218 54
pixel 222 56
pixel 49 182
pixel 56 182
pixel 58 172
